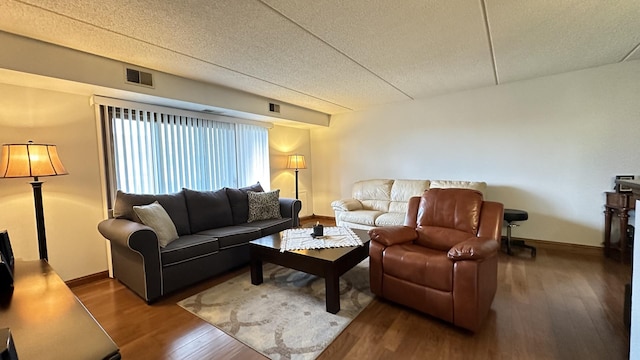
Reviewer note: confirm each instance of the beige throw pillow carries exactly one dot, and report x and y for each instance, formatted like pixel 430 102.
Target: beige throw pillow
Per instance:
pixel 156 217
pixel 264 205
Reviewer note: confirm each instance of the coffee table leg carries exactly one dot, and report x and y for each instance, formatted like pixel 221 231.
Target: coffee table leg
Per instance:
pixel 256 271
pixel 332 289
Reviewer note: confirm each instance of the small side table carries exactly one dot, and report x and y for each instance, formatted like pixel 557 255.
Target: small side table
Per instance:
pixel 618 204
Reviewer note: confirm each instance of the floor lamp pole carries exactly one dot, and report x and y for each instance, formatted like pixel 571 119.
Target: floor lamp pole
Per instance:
pixel 42 237
pixel 296 184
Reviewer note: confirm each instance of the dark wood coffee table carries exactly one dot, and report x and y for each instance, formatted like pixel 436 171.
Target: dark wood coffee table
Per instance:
pixel 329 264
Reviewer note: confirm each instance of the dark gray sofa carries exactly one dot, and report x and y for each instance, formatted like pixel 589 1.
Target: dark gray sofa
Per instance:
pixel 213 237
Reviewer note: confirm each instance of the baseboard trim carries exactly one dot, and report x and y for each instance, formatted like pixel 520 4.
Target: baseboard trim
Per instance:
pixel 87 279
pixel 319 217
pixel 561 246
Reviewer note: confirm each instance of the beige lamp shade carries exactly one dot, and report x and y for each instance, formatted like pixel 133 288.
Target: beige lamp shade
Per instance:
pixel 30 160
pixel 296 162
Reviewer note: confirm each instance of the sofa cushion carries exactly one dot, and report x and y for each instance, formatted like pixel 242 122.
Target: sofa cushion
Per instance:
pixel 390 219
pixel 174 204
pixel 403 190
pixel 264 205
pixel 239 201
pixel 272 226
pixel 374 194
pixel 364 217
pixel 188 247
pixel 208 209
pixel 458 184
pixel 155 217
pixel 230 236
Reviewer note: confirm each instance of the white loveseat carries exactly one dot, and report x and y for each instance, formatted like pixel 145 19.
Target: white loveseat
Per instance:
pixel 383 202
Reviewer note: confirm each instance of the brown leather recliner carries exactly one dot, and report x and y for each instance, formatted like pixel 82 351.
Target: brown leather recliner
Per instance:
pixel 444 260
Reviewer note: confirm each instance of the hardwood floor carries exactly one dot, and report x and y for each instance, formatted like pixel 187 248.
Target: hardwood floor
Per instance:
pixel 565 304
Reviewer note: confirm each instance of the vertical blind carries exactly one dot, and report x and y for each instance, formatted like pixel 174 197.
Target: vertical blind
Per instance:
pixel 154 152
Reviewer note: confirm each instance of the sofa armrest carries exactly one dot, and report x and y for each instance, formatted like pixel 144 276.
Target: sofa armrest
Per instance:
pixel 290 208
pixel 475 248
pixel 347 205
pixel 128 233
pixel 135 255
pixel 392 235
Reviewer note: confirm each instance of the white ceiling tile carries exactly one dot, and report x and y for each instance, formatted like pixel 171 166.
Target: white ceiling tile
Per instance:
pixel 544 37
pixel 422 47
pixel 334 56
pixel 242 41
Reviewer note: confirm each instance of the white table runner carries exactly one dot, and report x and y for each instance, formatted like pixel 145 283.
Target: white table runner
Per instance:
pixel 301 239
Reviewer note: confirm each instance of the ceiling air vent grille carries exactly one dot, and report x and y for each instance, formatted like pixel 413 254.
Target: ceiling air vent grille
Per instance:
pixel 139 77
pixel 274 108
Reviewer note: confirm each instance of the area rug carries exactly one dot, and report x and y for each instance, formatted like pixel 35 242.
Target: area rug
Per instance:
pixel 285 316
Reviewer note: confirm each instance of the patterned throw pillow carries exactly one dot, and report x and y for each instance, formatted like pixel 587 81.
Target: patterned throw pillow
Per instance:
pixel 264 205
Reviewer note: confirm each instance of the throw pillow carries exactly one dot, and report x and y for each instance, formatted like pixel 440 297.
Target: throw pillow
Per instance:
pixel 208 209
pixel 174 204
pixel 239 202
pixel 264 205
pixel 156 217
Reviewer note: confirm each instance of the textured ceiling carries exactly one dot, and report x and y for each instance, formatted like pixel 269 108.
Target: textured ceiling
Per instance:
pixel 334 55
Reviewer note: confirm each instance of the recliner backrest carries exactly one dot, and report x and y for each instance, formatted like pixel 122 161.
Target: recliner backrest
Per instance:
pixel 446 217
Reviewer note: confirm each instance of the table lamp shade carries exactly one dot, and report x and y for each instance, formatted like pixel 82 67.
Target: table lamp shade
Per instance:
pixel 30 160
pixel 296 162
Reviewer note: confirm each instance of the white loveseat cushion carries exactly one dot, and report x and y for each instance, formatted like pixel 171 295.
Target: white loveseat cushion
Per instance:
pixel 364 217
pixel 374 194
pixel 402 191
pixel 390 219
pixel 446 184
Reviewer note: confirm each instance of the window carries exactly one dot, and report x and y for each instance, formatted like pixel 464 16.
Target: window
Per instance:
pixel 158 150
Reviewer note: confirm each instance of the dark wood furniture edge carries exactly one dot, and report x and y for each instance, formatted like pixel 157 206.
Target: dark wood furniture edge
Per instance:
pixel 46 317
pixel 318 217
pixel 633 184
pixel 330 271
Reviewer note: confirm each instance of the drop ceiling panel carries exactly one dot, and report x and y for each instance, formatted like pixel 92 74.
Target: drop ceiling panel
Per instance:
pixel 242 44
pixel 422 47
pixel 334 56
pixel 544 37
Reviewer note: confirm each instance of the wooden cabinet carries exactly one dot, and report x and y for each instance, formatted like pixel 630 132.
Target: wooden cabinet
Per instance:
pixel 46 319
pixel 617 210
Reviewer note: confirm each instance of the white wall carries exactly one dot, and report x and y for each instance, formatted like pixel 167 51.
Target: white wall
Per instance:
pixel 634 342
pixel 284 141
pixel 72 203
pixel 550 146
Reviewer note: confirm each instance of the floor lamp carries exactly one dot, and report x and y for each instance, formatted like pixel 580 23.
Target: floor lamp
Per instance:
pixel 32 160
pixel 296 162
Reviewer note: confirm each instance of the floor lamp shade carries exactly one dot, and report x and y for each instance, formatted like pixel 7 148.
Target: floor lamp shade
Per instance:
pixel 296 162
pixel 32 160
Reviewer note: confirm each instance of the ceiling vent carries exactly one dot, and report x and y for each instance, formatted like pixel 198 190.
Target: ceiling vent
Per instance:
pixel 139 77
pixel 274 108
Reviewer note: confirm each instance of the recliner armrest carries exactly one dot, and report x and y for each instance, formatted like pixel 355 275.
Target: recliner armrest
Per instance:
pixel 347 205
pixel 475 248
pixel 392 235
